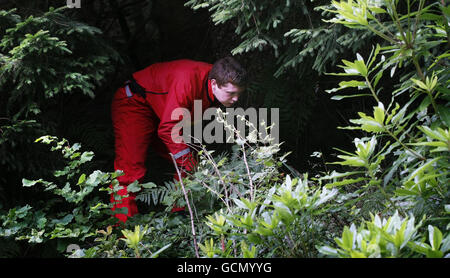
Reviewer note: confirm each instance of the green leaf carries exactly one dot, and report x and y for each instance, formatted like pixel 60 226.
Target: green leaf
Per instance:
pixel 41 222
pixel 431 144
pixel 347 239
pixel 379 113
pixel 357 254
pixel 432 133
pixel 446 243
pixel 434 253
pixel 368 123
pixel 254 238
pixel 246 252
pixel 156 254
pixel 81 179
pixel 335 175
pixel 377 78
pixel 327 250
pixel 149 185
pixel 134 187
pixel 422 168
pixel 63 221
pixel 400 235
pixel 86 156
pixel 240 204
pixel 345 182
pixel 444 113
pixel 339 97
pixel 361 67
pixel 435 237
pixel 377 10
pixel 374 55
pixel 419 247
pixel 352 83
pixel 420 84
pixel 351 161
pixel 264 231
pixel 30 183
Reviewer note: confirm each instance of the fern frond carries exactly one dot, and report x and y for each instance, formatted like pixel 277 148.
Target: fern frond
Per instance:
pixel 155 196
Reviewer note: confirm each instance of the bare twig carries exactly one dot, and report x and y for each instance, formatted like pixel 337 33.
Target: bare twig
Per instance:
pixel 218 195
pixel 216 168
pixel 248 173
pixel 188 205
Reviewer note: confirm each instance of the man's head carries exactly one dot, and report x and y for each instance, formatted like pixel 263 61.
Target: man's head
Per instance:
pixel 228 80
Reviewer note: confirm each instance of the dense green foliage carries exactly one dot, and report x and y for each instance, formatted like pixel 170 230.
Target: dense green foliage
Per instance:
pixel 47 62
pixel 293 30
pixel 386 197
pixel 405 152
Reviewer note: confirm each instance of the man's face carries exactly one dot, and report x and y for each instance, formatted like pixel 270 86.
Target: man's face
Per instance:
pixel 228 94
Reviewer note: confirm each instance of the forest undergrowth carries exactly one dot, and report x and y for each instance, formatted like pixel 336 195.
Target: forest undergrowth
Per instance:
pixel 387 197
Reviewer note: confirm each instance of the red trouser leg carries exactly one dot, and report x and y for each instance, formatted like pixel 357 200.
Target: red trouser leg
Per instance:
pixel 161 149
pixel 134 123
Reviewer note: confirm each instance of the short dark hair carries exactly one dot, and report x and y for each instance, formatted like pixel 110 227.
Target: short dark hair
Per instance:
pixel 228 70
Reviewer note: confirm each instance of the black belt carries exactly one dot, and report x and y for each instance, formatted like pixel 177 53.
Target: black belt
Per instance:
pixel 135 88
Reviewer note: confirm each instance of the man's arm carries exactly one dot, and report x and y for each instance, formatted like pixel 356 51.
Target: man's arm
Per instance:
pixel 180 97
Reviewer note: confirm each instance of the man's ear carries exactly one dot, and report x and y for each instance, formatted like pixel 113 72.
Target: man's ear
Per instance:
pixel 213 82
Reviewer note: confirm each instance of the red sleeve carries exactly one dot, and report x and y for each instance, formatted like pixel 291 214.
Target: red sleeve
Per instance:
pixel 180 96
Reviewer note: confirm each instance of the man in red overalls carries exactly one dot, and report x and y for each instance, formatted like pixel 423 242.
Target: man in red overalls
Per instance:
pixel 142 110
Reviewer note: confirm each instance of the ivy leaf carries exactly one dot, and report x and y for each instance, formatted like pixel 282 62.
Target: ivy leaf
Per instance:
pixel 134 187
pixel 41 221
pixel 63 221
pixel 86 156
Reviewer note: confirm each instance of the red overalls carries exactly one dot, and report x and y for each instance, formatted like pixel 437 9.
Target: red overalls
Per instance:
pixel 139 121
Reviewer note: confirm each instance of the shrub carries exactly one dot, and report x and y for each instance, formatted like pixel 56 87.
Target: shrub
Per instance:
pixel 405 154
pixel 44 59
